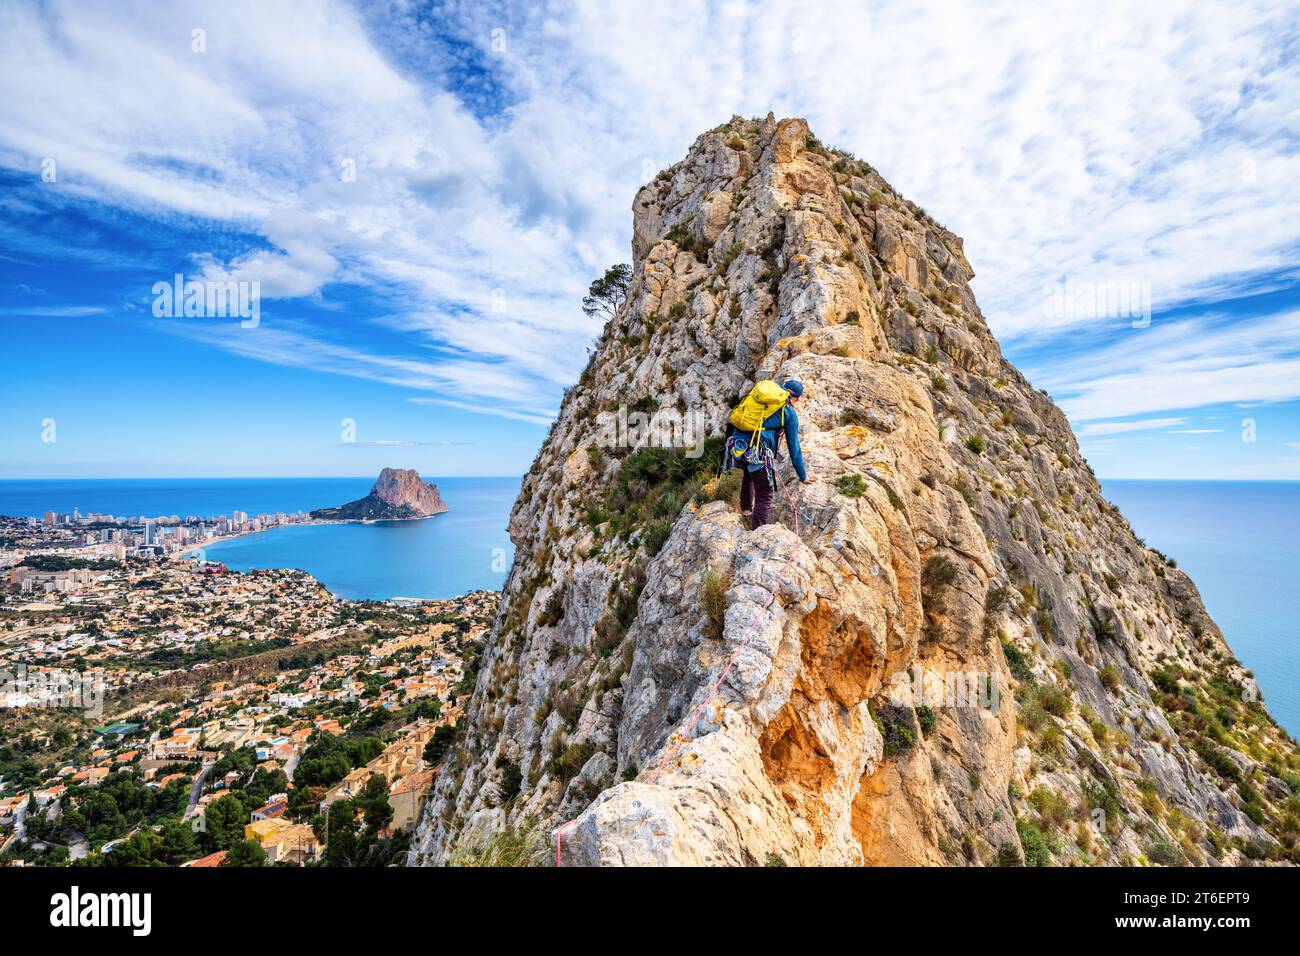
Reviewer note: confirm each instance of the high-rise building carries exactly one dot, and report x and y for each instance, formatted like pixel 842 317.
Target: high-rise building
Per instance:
pixel 149 533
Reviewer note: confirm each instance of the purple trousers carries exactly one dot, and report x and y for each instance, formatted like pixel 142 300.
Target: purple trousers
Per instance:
pixel 756 496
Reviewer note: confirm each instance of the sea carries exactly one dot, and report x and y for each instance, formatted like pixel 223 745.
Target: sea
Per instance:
pixel 1239 541
pixel 464 549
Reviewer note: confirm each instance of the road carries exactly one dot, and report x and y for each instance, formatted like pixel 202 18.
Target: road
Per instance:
pixel 197 789
pixel 20 821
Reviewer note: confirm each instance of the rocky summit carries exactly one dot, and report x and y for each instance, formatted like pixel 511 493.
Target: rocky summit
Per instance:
pixel 398 494
pixel 951 650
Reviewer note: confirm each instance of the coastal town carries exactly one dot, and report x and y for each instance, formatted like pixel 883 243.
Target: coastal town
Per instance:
pixel 156 708
pixel 107 536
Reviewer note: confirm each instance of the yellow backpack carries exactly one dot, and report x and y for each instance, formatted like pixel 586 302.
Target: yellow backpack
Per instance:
pixel 764 400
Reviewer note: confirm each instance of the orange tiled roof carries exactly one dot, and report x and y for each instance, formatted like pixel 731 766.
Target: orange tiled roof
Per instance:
pixel 212 859
pixel 416 781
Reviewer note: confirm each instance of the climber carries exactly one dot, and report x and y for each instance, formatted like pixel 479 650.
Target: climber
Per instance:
pixel 759 459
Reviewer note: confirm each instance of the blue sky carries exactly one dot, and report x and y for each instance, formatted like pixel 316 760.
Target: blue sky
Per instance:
pixel 423 192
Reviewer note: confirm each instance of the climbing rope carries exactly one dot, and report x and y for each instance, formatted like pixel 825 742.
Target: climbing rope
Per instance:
pixel 677 739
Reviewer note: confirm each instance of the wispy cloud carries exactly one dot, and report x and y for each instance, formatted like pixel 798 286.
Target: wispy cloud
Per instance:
pixel 473 165
pixel 397 443
pixel 1206 360
pixel 55 311
pixel 1114 428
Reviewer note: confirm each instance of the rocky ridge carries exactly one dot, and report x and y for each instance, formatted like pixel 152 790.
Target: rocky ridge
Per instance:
pixel 398 494
pixel 971 659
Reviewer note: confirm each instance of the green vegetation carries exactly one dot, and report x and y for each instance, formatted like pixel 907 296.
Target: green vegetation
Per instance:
pixel 1105 628
pixel 121 802
pixel 569 762
pixel 1166 681
pixel 512 779
pixel 896 727
pixel 1217 760
pixel 245 853
pixel 729 256
pixel 1165 853
pixel 510 846
pixel 356 826
pixel 713 600
pixel 1037 845
pixel 926 718
pixel 327 761
pixel 439 743
pixel 553 612
pixel 1053 809
pixel 59 562
pixel 607 293
pixel 1109 677
pixel 1104 797
pixel 1055 700
pixel 652 483
pixel 682 235
pixel 938 574
pixel 851 485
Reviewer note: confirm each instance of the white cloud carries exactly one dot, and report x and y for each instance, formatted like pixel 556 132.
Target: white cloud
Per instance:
pixel 1099 140
pixel 54 311
pixel 1206 360
pixel 1115 428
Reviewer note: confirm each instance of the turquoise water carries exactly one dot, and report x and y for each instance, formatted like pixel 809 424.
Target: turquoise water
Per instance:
pixel 1239 541
pixel 465 549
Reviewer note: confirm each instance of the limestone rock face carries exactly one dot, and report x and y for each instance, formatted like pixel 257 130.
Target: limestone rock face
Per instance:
pixel 398 494
pixel 949 650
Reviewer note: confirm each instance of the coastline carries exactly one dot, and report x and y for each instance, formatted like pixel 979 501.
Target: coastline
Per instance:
pixel 370 560
pixel 221 539
pixel 181 553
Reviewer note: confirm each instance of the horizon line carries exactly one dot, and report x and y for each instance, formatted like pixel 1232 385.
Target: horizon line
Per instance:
pixel 228 477
pixel 1100 478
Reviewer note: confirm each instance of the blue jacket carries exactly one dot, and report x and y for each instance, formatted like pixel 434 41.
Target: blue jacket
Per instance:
pixel 771 435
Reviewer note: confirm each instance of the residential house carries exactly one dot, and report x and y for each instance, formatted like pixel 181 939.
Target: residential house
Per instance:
pixel 9 806
pixel 91 776
pixel 271 811
pixel 259 830
pixel 212 859
pixel 407 797
pixel 294 843
pixel 349 786
pixel 47 796
pixel 184 744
